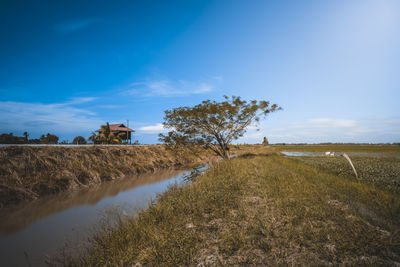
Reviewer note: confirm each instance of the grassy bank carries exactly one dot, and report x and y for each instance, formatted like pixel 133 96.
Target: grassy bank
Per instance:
pixel 27 173
pixel 260 209
pixel 340 148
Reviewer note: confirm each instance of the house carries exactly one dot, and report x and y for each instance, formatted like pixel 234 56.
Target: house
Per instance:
pixel 121 130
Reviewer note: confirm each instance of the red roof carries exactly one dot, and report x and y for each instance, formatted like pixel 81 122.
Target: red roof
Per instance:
pixel 118 128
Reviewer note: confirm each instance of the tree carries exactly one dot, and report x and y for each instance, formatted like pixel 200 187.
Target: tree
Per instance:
pixel 26 135
pixel 265 141
pixel 94 138
pixel 136 142
pixel 48 139
pixel 79 140
pixel 7 138
pixel 213 125
pixel 105 136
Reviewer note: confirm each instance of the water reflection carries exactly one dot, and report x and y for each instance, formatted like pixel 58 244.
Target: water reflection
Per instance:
pixel 41 226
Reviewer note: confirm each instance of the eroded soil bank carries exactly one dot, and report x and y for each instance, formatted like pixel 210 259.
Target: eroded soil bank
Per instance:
pixel 27 173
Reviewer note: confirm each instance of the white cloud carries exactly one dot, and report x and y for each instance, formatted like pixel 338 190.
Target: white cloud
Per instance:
pixel 168 88
pixel 319 130
pixel 331 123
pixel 80 100
pixel 111 106
pixel 59 118
pixel 152 129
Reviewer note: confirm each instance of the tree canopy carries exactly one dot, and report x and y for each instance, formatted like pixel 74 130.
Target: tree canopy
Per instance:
pixel 11 139
pixel 79 140
pixel 48 139
pixel 213 125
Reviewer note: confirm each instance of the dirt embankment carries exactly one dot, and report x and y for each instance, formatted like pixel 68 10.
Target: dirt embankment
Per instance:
pixel 27 173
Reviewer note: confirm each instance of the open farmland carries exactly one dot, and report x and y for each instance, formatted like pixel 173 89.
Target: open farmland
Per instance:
pixel 341 148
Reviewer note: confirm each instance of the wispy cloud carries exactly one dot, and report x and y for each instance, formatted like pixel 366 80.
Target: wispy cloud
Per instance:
pixel 111 106
pixel 315 130
pixel 79 100
pixel 168 88
pixel 75 25
pixel 152 129
pixel 331 123
pixel 318 130
pixel 59 118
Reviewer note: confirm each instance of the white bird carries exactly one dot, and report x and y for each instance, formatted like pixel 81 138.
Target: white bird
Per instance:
pixel 329 153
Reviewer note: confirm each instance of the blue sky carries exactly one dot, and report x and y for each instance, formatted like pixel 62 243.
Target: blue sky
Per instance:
pixel 66 67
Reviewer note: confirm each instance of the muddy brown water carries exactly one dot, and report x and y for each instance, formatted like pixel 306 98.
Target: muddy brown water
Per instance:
pixel 30 231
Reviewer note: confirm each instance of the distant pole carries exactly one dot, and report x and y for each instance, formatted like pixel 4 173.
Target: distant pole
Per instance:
pixel 127 132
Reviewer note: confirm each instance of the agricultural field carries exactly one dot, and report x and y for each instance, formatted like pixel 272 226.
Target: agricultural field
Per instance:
pixel 261 208
pixel 340 148
pixel 381 172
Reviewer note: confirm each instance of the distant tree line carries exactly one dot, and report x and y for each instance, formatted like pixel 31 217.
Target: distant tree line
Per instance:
pixel 10 138
pixel 105 137
pixel 49 138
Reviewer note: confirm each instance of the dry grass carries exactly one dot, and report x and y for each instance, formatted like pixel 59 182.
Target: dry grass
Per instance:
pixel 381 172
pixel 340 148
pixel 257 210
pixel 29 172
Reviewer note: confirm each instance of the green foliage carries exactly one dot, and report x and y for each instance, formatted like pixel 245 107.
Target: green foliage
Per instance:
pixel 44 139
pixel 26 135
pixel 11 139
pixel 136 142
pixel 79 140
pixel 105 136
pixel 213 125
pixel 94 138
pixel 48 139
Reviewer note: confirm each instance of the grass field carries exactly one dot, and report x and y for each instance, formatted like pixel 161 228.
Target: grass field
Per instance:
pixel 381 172
pixel 340 148
pixel 257 209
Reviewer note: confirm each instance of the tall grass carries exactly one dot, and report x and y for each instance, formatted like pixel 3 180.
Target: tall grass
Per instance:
pixel 257 210
pixel 383 173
